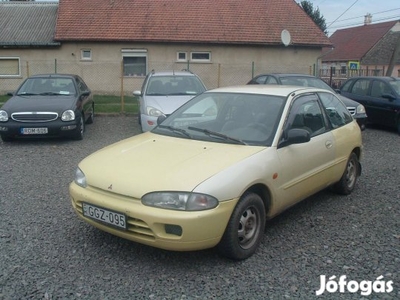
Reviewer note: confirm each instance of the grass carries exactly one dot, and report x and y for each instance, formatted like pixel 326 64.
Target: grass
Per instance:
pixel 106 104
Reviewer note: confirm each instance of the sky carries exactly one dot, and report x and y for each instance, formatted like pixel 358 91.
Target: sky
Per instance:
pixel 341 14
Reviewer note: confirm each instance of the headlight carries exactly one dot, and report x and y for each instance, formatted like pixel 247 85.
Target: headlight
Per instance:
pixel 3 116
pixel 361 109
pixel 154 112
pixel 80 178
pixel 180 201
pixel 68 115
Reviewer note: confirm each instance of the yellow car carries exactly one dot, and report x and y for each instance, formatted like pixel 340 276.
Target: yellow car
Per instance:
pixel 211 173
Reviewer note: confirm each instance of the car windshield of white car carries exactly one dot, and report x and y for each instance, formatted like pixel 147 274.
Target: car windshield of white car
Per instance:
pixel 47 86
pixel 174 85
pixel 239 118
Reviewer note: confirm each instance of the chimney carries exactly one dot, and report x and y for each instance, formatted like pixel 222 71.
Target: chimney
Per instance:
pixel 367 19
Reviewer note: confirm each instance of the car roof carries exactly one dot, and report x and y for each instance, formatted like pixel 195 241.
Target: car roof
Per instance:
pixel 278 90
pixel 172 73
pixel 52 75
pixel 287 75
pixel 386 78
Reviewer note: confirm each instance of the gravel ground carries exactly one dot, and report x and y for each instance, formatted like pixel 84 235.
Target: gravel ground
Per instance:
pixel 46 252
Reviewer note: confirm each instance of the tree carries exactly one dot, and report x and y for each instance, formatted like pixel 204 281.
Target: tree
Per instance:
pixel 315 15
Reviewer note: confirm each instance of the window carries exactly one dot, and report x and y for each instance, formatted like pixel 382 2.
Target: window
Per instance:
pixel 337 112
pixel 343 70
pixel 360 87
pixel 134 62
pixel 307 114
pixel 86 54
pixel 200 56
pixel 181 56
pixel 10 66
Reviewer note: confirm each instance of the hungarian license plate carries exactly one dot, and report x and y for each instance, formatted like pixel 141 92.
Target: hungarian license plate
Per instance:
pixel 41 130
pixel 104 215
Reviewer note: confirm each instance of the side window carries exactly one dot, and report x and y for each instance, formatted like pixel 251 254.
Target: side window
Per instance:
pixel 346 85
pixel 82 86
pixel 261 79
pixel 336 111
pixel 306 114
pixel 360 87
pixel 272 80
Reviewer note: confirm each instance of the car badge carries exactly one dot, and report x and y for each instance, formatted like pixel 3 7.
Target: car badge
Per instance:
pixel 110 187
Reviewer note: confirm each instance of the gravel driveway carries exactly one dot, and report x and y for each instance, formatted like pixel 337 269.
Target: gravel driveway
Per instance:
pixel 46 252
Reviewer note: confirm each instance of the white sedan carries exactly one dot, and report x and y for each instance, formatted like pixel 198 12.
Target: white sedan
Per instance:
pixel 212 172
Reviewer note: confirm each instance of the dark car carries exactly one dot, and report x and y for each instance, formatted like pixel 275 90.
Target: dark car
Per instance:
pixel 357 111
pixel 48 105
pixel 379 95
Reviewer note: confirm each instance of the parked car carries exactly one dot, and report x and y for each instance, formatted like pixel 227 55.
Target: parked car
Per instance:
pixel 379 95
pixel 357 111
pixel 163 92
pixel 47 105
pixel 212 172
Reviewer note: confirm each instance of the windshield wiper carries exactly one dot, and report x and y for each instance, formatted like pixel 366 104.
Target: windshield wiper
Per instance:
pixel 26 94
pixel 49 93
pixel 217 134
pixel 174 129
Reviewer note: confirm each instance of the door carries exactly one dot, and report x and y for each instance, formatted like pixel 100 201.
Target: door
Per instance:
pixel 381 110
pixel 306 167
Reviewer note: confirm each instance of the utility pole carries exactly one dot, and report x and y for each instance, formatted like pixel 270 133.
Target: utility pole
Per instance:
pixel 395 57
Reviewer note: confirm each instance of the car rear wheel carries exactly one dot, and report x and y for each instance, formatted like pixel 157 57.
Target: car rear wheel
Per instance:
pixel 347 183
pixel 245 229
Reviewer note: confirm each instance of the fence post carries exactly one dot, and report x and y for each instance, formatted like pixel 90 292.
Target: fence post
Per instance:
pixel 27 69
pixel 252 69
pixel 122 87
pixel 55 65
pixel 219 76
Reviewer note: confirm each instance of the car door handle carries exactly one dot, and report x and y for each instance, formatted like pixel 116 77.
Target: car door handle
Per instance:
pixel 328 144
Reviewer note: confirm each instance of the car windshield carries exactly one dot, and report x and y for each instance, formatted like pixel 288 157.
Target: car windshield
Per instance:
pixel 306 81
pixel 235 118
pixel 47 86
pixel 174 85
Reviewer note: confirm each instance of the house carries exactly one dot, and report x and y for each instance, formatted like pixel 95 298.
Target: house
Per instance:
pixel 112 44
pixel 363 50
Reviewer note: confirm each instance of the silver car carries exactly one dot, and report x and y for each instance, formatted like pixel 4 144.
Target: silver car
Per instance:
pixel 163 92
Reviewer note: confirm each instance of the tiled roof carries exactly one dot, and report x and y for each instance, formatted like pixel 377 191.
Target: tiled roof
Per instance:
pixel 257 22
pixel 27 23
pixel 354 43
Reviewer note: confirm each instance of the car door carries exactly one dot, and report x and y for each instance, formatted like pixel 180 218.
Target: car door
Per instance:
pixel 381 109
pixel 306 167
pixel 85 97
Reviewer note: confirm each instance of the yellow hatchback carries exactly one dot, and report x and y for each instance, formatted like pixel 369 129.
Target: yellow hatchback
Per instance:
pixel 215 170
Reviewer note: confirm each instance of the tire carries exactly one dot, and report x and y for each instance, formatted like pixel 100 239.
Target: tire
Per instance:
pixel 90 120
pixel 80 130
pixel 6 139
pixel 347 183
pixel 245 228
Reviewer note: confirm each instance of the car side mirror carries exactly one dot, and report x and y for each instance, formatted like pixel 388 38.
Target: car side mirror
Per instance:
pixel 161 119
pixel 295 136
pixel 338 91
pixel 137 93
pixel 85 93
pixel 10 94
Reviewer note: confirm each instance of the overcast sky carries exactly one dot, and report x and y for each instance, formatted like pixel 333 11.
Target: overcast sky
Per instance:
pixel 340 14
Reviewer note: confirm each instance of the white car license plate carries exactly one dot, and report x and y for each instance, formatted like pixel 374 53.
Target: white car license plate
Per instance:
pixel 104 215
pixel 43 130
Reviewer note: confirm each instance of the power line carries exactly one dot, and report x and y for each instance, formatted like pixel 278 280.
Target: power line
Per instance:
pixel 377 13
pixel 342 14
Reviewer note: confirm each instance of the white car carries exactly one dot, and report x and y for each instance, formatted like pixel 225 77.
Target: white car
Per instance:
pixel 163 92
pixel 211 173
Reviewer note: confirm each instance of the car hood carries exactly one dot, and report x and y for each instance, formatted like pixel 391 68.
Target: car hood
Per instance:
pixel 39 103
pixel 348 102
pixel 167 104
pixel 149 162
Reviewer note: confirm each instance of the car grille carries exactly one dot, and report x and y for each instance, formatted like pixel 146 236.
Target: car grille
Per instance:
pixel 136 227
pixel 352 110
pixel 34 116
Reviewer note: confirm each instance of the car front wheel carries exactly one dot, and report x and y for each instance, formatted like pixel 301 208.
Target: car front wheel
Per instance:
pixel 80 129
pixel 245 229
pixel 347 182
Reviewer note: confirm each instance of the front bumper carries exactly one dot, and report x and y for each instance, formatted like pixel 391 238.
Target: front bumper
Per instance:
pixel 155 226
pixel 56 128
pixel 361 120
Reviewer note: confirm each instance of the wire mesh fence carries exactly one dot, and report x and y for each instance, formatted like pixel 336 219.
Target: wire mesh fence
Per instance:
pixel 107 78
